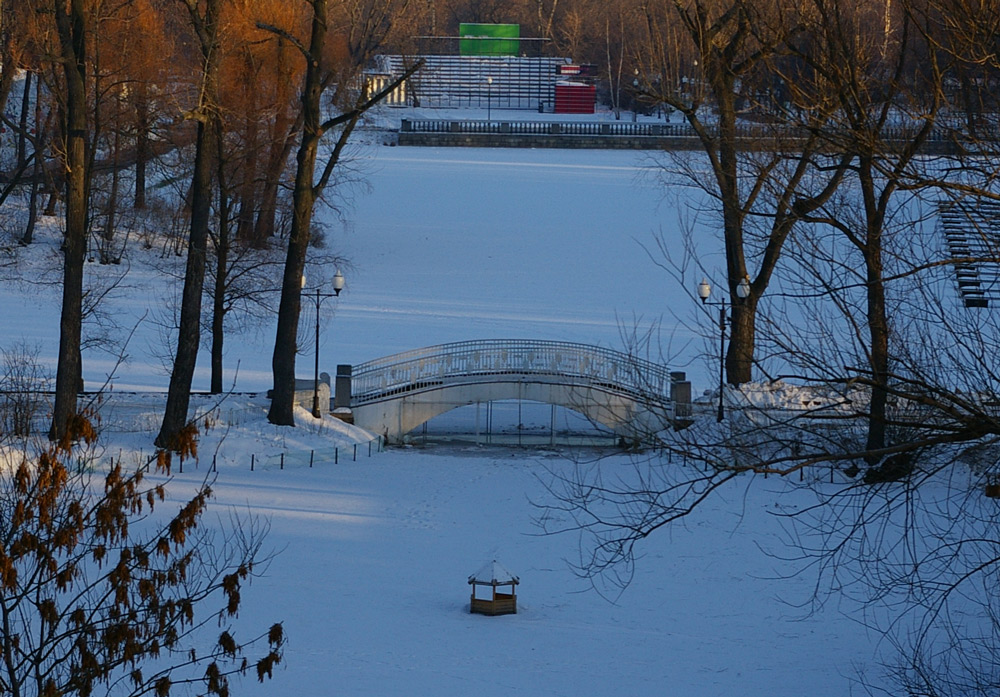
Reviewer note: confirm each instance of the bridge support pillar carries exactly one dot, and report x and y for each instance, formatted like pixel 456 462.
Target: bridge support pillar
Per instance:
pixel 680 395
pixel 342 388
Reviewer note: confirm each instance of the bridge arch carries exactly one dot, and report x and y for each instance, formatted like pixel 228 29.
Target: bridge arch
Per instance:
pixel 394 395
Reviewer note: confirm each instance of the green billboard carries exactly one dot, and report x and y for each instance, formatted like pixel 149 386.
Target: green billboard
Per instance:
pixel 488 39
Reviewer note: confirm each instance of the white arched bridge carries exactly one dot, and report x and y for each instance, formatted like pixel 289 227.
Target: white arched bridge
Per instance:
pixel 633 397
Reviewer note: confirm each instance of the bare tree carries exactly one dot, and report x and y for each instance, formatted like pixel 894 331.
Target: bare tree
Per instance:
pixel 367 24
pixel 22 384
pixel 72 22
pixel 205 22
pixel 879 366
pixel 106 588
pixel 886 112
pixel 717 63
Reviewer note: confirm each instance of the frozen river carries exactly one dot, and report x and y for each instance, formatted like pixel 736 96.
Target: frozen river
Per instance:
pixel 445 245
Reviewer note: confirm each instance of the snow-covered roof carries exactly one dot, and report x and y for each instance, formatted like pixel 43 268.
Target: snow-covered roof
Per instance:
pixel 493 573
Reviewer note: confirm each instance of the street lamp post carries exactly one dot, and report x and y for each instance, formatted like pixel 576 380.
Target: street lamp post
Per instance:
pixel 635 94
pixel 489 98
pixel 704 291
pixel 338 285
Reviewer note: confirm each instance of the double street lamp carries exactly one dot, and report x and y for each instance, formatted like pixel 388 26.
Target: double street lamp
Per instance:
pixel 704 291
pixel 337 285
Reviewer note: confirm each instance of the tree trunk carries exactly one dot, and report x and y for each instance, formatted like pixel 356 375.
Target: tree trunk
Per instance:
pixel 615 86
pixel 303 199
pixel 878 328
pixel 245 218
pixel 107 255
pixel 248 185
pixel 219 309
pixel 268 206
pixel 72 39
pixel 263 228
pixel 285 342
pixel 739 355
pixel 8 67
pixel 189 329
pixel 141 145
pixel 22 136
pixel 876 318
pixel 221 268
pixel 280 139
pixel 878 325
pixel 29 228
pixel 36 168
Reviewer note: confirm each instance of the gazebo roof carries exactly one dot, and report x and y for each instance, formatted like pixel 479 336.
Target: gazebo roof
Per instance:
pixel 493 573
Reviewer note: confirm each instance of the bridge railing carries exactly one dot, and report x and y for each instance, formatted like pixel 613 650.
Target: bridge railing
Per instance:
pixel 747 132
pixel 575 128
pixel 426 367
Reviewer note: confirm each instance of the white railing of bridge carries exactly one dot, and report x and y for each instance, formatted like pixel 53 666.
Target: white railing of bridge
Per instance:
pixel 426 367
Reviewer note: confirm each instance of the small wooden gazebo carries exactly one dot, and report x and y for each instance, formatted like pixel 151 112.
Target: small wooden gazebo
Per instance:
pixel 494 575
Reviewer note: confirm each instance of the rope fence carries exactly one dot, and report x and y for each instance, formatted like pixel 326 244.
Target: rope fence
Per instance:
pixel 317 457
pixel 287 459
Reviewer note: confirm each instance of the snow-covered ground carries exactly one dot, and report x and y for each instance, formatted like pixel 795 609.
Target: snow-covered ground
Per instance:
pixel 371 585
pixel 370 579
pixel 374 553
